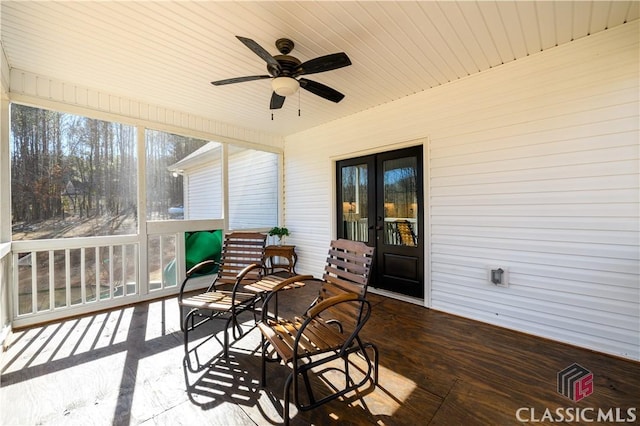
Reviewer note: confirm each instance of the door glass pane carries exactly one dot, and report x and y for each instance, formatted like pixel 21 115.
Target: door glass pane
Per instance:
pixel 400 202
pixel 355 203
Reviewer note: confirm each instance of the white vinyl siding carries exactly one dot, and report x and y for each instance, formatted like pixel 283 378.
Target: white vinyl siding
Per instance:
pixel 533 166
pixel 252 193
pixel 253 189
pixel 203 192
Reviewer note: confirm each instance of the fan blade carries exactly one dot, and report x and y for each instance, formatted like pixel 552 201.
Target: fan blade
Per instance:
pixel 273 65
pixel 276 101
pixel 321 90
pixel 323 63
pixel 239 79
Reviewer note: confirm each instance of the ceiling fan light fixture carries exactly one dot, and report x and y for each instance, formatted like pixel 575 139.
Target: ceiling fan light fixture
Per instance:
pixel 285 86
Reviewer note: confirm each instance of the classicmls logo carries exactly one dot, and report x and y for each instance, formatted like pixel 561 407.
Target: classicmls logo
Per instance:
pixel 575 382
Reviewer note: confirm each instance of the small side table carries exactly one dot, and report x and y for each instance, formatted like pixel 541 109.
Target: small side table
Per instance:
pixel 281 252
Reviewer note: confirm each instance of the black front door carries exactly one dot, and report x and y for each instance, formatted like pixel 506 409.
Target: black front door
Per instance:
pixel 380 202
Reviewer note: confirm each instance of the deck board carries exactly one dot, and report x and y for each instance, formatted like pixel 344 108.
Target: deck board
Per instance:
pixel 126 367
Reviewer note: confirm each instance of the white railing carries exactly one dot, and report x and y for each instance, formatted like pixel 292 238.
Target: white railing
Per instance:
pixel 55 278
pixel 50 276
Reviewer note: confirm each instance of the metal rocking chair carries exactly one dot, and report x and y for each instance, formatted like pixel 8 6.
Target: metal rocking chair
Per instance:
pixel 241 264
pixel 327 334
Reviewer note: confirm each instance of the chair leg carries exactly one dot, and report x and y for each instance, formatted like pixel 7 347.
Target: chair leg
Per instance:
pixel 287 395
pixel 254 309
pixel 275 311
pixel 372 364
pixel 369 361
pixel 375 363
pixel 307 385
pixel 347 376
pixel 235 326
pixel 263 378
pixel 181 322
pixel 226 336
pixel 186 328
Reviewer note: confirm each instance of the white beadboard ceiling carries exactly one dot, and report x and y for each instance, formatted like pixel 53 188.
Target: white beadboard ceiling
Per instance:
pixel 166 53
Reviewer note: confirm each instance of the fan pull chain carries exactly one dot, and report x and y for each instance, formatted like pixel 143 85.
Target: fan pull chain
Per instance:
pixel 271 116
pixel 298 103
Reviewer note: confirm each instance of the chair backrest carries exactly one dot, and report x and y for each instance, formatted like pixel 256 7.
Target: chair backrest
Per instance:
pixel 405 233
pixel 239 250
pixel 348 268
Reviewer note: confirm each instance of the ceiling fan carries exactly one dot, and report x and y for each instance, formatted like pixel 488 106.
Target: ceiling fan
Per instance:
pixel 285 70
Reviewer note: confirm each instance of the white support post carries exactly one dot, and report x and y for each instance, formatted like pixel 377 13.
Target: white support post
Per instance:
pixel 143 261
pixel 5 171
pixel 225 186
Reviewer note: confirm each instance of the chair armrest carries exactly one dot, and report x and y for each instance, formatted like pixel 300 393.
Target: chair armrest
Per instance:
pixel 327 303
pixel 193 270
pixel 313 316
pixel 245 271
pixel 291 280
pixel 241 276
pixel 199 266
pixel 279 287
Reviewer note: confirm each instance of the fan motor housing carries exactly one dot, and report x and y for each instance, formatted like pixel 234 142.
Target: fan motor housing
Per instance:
pixel 288 65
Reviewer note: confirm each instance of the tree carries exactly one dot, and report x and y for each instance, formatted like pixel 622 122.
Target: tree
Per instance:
pixel 61 159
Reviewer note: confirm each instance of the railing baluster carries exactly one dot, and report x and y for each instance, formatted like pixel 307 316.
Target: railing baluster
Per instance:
pixel 161 255
pixel 110 272
pixel 67 269
pixel 136 270
pixel 97 259
pixel 34 282
pixel 52 281
pixel 123 275
pixel 83 277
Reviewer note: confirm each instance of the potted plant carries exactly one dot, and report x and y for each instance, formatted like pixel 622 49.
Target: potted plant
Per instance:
pixel 280 233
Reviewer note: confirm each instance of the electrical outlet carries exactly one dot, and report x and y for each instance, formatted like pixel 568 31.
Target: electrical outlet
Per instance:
pixel 498 276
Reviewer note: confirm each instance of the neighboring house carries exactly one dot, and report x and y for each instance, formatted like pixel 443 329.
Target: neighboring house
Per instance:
pixel 71 194
pixel 253 174
pixel 533 166
pixel 202 175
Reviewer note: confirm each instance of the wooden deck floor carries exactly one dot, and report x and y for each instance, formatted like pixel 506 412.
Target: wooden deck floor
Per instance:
pixel 126 367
